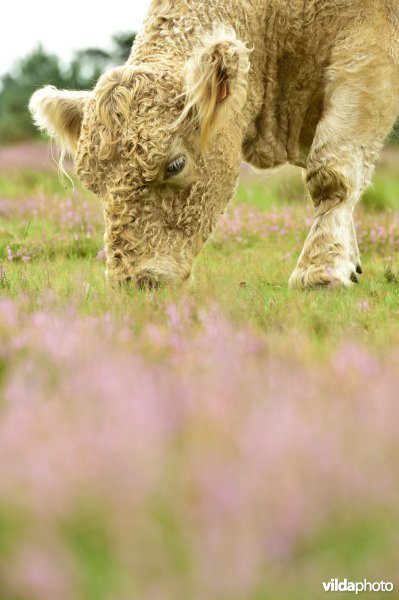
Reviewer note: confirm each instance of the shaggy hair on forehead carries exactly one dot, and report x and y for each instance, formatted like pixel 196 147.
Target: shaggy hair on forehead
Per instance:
pixel 128 127
pixel 123 110
pixel 115 95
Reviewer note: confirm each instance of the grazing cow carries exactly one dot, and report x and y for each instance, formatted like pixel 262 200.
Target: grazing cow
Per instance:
pixel 208 84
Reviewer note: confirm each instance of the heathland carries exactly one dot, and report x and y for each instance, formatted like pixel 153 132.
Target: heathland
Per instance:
pixel 231 440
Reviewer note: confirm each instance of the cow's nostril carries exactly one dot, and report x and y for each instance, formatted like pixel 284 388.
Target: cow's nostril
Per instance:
pixel 146 281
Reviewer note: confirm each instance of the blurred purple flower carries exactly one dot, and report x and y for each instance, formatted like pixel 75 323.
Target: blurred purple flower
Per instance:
pixel 102 255
pixel 193 428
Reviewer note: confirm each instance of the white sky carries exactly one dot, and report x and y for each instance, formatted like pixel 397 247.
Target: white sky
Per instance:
pixel 63 27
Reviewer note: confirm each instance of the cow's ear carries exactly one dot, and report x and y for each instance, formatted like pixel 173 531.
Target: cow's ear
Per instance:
pixel 60 114
pixel 216 82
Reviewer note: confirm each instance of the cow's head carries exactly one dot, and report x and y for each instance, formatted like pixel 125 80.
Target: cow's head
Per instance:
pixel 160 143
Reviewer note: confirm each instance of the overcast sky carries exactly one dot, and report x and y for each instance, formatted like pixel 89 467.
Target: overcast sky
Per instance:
pixel 64 26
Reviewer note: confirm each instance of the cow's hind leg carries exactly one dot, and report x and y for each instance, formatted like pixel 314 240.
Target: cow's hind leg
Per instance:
pixel 360 108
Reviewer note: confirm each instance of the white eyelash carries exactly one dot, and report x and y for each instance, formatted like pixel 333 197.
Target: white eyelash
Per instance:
pixel 176 167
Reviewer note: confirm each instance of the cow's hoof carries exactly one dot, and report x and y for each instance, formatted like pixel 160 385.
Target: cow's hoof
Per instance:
pixel 341 275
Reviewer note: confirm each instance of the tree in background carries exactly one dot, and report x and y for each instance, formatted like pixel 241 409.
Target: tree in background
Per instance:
pixel 39 67
pixel 42 68
pixel 123 43
pixel 395 133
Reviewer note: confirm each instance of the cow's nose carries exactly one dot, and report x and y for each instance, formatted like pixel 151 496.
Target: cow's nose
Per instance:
pixel 147 281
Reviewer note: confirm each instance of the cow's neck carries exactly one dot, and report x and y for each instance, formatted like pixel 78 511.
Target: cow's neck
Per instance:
pixel 290 78
pixel 291 40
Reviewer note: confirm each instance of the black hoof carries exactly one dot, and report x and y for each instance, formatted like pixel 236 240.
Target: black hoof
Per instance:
pixel 354 278
pixel 359 270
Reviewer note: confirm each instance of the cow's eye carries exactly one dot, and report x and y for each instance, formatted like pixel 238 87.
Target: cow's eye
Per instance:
pixel 176 166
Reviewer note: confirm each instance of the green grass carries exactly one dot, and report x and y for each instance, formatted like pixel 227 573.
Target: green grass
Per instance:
pixel 247 278
pixel 25 183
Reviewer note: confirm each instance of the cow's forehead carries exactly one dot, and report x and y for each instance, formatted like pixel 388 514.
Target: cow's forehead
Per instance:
pixel 133 94
pixel 129 126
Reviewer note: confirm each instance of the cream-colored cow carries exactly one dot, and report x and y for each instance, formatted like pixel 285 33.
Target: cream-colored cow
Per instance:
pixel 208 84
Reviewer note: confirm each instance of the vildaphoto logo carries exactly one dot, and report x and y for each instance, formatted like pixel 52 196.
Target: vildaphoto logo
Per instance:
pixel 358 587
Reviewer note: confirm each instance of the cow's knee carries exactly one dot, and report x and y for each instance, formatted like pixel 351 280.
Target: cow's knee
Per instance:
pixel 329 186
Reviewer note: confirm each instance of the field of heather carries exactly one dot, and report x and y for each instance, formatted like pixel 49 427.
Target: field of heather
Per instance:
pixel 233 440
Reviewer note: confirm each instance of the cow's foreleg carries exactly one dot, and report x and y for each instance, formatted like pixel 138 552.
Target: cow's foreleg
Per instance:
pixel 330 255
pixel 361 104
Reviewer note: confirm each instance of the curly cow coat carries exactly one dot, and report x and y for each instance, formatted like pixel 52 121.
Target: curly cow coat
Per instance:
pixel 209 84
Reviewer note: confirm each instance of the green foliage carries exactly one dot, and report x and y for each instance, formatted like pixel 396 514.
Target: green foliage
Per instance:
pixel 123 43
pixel 394 137
pixel 36 69
pixel 42 68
